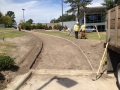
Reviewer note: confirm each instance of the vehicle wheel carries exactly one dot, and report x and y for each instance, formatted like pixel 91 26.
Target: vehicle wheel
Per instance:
pixel 118 75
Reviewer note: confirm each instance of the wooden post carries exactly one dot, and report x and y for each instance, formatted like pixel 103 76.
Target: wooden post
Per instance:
pixel 116 27
pixel 108 25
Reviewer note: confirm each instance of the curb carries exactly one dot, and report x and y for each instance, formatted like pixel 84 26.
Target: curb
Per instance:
pixel 18 82
pixel 62 72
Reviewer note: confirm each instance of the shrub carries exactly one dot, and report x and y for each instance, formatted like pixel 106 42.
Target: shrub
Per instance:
pixel 6 62
pixel 50 27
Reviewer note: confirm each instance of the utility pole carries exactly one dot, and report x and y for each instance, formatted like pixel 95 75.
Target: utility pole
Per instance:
pixel 23 15
pixel 62 13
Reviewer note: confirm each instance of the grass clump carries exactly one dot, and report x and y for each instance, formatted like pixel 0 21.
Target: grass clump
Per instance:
pixel 6 62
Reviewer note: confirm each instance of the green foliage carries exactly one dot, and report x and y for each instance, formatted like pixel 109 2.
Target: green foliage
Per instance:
pixel 117 2
pixel 65 27
pixel 75 6
pixel 109 4
pixel 40 26
pixel 6 62
pixel 7 21
pixel 50 27
pixel 11 34
pixel 26 26
pixel 1 15
pixel 33 27
pixel 64 18
pixel 58 27
pixel 29 21
pixel 10 14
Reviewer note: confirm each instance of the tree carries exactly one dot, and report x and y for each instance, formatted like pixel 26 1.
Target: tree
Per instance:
pixel 10 14
pixel 39 26
pixel 1 15
pixel 58 27
pixel 7 21
pixel 117 2
pixel 29 21
pixel 109 4
pixel 76 5
pixel 65 17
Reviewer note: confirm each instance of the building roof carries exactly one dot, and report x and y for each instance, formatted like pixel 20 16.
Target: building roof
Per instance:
pixel 95 10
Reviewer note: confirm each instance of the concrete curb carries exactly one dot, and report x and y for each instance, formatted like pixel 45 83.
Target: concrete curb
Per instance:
pixel 18 82
pixel 62 72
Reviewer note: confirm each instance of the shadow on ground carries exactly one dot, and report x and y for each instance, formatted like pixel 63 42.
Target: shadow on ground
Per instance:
pixel 66 82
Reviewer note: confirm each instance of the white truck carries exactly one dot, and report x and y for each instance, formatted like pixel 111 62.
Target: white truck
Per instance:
pixel 113 49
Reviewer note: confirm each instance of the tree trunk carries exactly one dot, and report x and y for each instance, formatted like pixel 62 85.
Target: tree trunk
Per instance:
pixel 78 14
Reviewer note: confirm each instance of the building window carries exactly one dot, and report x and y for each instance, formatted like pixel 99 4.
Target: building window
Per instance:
pixel 95 18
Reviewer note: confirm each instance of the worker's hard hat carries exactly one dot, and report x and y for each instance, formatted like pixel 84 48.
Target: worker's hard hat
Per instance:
pixel 77 22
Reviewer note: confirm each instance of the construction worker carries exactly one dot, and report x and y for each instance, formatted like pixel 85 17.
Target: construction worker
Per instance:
pixel 19 26
pixel 83 34
pixel 76 29
pixel 83 28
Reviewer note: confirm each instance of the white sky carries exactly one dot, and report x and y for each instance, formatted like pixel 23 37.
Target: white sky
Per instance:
pixel 41 11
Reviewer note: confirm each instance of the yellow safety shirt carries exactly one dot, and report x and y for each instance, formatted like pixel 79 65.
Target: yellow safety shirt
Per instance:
pixel 83 27
pixel 76 28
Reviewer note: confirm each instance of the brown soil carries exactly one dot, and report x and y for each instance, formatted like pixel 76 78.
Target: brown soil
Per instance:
pixel 21 46
pixel 56 54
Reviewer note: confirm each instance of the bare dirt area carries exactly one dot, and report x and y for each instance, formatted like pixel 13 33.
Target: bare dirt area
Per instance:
pixel 57 54
pixel 93 49
pixel 20 47
pixel 60 54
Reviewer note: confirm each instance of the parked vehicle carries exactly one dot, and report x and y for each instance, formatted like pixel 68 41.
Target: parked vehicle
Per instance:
pixel 14 26
pixel 113 50
pixel 89 29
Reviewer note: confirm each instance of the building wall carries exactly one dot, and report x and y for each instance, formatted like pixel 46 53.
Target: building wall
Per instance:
pixel 2 25
pixel 69 24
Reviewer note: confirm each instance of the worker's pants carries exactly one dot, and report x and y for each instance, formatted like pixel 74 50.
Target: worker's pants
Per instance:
pixel 19 29
pixel 76 34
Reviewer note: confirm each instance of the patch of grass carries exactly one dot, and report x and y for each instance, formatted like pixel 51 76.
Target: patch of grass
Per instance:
pixel 56 33
pixel 11 34
pixel 6 47
pixel 92 36
pixel 1 28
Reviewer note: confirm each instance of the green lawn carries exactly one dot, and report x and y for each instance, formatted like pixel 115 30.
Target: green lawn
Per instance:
pixel 5 47
pixel 91 36
pixel 10 33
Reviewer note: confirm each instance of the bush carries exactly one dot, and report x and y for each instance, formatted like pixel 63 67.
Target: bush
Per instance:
pixel 6 62
pixel 50 27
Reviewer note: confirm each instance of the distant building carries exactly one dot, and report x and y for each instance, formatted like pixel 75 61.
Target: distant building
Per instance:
pixel 46 24
pixel 93 16
pixel 69 24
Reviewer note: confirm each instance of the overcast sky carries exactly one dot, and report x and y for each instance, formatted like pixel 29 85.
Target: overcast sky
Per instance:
pixel 41 11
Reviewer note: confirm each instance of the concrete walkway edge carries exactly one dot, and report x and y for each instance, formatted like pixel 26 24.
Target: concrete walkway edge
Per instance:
pixel 18 82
